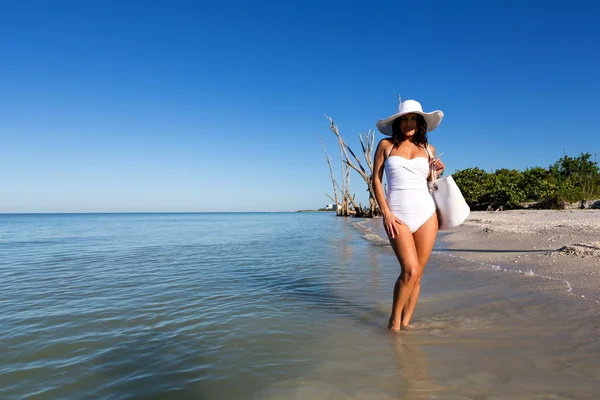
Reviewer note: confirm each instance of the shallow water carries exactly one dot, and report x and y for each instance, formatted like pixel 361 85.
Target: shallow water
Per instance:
pixel 273 306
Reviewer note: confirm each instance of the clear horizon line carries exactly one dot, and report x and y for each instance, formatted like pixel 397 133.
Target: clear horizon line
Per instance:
pixel 147 212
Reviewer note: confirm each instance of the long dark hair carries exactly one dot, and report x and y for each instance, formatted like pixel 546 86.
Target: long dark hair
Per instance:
pixel 419 138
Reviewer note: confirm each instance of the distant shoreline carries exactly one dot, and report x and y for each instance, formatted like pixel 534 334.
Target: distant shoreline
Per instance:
pixel 149 212
pixel 315 211
pixel 562 245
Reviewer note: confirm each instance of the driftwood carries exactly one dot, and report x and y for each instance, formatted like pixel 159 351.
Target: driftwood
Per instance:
pixel 343 201
pixel 350 160
pixel 334 183
pixel 345 209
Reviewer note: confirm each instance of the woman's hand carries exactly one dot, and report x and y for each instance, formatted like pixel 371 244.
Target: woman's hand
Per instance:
pixel 437 165
pixel 390 223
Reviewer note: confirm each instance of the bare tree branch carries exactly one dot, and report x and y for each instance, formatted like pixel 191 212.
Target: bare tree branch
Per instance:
pixel 334 183
pixel 350 160
pixel 345 148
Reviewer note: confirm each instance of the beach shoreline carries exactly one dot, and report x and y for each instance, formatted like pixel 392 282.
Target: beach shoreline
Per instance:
pixel 562 245
pixel 558 245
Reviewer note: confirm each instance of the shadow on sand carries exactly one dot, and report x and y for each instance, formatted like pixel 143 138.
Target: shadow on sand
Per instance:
pixel 489 251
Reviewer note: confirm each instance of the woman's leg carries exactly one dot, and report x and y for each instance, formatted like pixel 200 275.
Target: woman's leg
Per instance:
pixel 406 252
pixel 424 239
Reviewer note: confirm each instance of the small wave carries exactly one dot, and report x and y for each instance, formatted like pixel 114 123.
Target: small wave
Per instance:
pixel 500 268
pixel 369 235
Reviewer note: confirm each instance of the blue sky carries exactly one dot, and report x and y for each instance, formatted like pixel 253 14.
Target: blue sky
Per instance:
pixel 204 106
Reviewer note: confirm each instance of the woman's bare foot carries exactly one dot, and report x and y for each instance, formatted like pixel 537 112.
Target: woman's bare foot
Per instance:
pixel 406 327
pixel 394 325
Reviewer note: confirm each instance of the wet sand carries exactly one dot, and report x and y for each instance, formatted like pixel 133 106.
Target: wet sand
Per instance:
pixel 558 245
pixel 561 245
pixel 487 327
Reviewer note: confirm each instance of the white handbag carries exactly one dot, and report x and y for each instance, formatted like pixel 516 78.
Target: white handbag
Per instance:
pixel 452 208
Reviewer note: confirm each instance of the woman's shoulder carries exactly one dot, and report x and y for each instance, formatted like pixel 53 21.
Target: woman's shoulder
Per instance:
pixel 431 148
pixel 384 143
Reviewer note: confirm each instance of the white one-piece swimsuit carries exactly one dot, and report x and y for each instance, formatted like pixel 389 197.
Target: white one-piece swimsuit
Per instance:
pixel 408 196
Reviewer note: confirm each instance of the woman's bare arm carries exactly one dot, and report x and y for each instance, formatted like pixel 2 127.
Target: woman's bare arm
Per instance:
pixel 378 162
pixel 389 219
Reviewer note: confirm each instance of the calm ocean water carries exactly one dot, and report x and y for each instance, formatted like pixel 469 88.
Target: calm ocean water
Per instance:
pixel 273 306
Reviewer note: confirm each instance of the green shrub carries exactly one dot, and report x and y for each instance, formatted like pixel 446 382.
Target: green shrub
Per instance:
pixel 537 184
pixel 568 180
pixel 472 184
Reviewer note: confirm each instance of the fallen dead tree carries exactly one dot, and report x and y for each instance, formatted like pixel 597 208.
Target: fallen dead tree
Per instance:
pixel 345 202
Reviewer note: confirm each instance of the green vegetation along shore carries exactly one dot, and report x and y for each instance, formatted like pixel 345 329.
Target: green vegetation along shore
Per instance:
pixel 568 183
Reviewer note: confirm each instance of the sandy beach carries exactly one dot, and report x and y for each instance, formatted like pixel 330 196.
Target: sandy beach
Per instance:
pixel 563 245
pixel 556 244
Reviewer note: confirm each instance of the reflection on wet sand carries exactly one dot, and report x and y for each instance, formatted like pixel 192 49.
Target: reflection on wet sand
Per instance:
pixel 374 254
pixel 413 367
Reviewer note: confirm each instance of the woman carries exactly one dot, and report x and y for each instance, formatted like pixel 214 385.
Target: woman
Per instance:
pixel 409 212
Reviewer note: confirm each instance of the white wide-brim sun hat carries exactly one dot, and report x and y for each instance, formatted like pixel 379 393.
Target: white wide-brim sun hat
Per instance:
pixel 433 118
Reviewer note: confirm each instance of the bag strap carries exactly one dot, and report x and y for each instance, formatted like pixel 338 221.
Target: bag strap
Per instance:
pixel 390 150
pixel 433 173
pixel 428 152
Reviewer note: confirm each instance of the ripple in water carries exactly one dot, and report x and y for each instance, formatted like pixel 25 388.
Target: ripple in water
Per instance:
pixel 289 305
